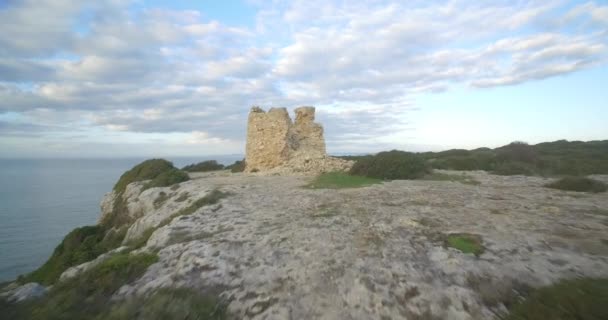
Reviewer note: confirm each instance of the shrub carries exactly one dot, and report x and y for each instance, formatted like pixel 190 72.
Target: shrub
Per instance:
pixel 167 178
pixel 79 246
pixel 209 165
pixel 579 184
pixel 517 151
pixel 237 166
pixel 339 180
pixel 146 170
pixel 392 165
pixel 584 299
pixel 161 172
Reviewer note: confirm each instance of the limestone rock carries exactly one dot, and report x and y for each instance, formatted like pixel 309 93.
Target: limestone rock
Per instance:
pixel 25 292
pixel 79 269
pixel 275 145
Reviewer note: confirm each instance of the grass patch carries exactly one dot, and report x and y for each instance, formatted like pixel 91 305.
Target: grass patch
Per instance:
pixel 465 242
pixel 181 303
pixel 578 184
pixel 339 180
pixel 79 246
pixel 435 176
pixel 85 296
pixel 205 166
pixel 583 299
pixel 392 165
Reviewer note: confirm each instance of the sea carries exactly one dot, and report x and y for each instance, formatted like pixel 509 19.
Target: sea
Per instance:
pixel 41 200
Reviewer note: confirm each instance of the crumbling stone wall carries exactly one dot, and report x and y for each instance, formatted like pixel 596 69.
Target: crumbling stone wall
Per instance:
pixel 267 139
pixel 273 140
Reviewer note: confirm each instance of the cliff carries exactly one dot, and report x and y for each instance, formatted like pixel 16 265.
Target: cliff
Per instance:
pixel 266 248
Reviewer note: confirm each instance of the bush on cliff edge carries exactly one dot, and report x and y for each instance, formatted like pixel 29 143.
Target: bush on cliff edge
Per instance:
pixel 209 165
pixel 392 165
pixel 161 172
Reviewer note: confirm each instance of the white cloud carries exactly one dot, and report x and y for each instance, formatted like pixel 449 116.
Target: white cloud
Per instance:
pixel 169 71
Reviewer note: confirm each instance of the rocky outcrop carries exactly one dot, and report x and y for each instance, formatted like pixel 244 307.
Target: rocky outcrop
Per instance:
pixel 25 292
pixel 277 145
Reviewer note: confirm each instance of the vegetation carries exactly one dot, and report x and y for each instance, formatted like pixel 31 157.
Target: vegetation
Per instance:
pixel 550 158
pixel 209 165
pixel 85 296
pixel 583 299
pixel 339 180
pixel 579 184
pixel 167 178
pixel 161 172
pixel 237 166
pixel 465 242
pixel 392 165
pixel 181 303
pixel 79 246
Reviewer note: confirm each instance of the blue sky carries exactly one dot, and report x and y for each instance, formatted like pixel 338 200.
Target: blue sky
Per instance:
pixel 120 78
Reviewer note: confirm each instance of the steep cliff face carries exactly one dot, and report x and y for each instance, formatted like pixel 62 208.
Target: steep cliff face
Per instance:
pixel 277 145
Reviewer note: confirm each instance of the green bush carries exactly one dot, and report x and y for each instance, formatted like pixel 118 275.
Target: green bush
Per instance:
pixel 180 303
pixel 237 166
pixel 579 184
pixel 583 299
pixel 517 152
pixel 79 246
pixel 209 165
pixel 392 165
pixel 146 170
pixel 167 178
pixel 161 172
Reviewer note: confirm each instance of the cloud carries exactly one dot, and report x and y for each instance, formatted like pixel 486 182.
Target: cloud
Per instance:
pixel 113 69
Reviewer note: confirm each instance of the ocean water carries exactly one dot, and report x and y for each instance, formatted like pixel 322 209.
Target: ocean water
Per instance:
pixel 41 200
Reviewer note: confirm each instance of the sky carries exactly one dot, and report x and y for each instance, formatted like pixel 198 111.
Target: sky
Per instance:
pixel 134 78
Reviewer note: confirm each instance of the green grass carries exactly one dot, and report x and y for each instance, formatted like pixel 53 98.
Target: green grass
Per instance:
pixel 180 303
pixel 435 176
pixel 578 184
pixel 339 180
pixel 79 246
pixel 581 299
pixel 465 242
pixel 87 295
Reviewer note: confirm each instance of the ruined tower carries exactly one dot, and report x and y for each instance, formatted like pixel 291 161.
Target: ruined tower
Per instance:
pixel 273 140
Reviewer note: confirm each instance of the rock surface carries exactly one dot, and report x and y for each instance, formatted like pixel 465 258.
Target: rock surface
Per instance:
pixel 275 143
pixel 276 250
pixel 25 292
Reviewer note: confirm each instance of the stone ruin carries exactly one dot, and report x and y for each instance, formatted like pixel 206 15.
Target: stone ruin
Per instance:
pixel 275 144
